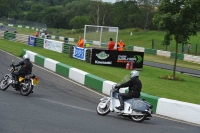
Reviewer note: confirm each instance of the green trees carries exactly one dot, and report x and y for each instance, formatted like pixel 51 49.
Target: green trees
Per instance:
pixel 35 13
pixel 58 13
pixel 78 22
pixel 180 19
pixel 11 9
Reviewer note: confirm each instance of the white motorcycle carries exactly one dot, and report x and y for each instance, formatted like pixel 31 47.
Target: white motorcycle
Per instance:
pixel 137 109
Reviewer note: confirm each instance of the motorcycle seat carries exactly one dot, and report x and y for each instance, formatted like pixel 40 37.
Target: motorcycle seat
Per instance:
pixel 30 76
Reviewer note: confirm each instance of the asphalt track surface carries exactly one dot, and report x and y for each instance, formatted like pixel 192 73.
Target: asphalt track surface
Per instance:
pixel 7 28
pixel 61 106
pixel 170 67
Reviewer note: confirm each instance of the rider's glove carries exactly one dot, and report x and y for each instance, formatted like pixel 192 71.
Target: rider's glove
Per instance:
pixel 117 87
pixel 11 65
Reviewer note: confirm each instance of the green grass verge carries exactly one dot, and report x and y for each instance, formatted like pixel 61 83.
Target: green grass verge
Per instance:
pixel 25 31
pixel 187 91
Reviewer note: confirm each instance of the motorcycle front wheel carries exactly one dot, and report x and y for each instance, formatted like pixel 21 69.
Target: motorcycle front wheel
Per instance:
pixel 103 111
pixel 4 83
pixel 138 118
pixel 26 88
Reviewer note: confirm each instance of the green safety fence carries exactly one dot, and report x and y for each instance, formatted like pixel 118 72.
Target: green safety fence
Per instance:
pixel 66 48
pixel 39 42
pixel 9 36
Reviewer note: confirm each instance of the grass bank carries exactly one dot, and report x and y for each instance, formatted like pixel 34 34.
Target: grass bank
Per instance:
pixel 187 91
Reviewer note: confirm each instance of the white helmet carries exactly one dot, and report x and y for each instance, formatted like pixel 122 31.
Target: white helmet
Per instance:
pixel 26 56
pixel 134 73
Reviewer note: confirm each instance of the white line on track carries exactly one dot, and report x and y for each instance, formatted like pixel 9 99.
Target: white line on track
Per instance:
pixel 67 105
pixel 163 117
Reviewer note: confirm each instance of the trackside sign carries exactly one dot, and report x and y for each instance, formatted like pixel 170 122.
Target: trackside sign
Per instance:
pixel 117 58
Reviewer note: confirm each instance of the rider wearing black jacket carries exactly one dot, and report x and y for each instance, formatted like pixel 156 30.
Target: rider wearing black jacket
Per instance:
pixel 26 68
pixel 135 87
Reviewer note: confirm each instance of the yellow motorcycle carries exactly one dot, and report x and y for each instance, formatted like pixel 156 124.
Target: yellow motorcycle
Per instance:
pixel 25 83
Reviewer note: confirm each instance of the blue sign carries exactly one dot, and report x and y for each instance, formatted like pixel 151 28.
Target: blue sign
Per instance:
pixel 79 53
pixel 31 41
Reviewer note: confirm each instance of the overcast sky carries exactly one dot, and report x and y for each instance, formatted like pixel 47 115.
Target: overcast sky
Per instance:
pixel 109 1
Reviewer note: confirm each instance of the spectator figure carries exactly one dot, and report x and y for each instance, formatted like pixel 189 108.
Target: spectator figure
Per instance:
pixel 111 44
pixel 6 30
pixel 15 32
pixel 189 47
pixel 36 34
pixel 48 36
pixel 183 48
pixel 120 45
pixel 80 42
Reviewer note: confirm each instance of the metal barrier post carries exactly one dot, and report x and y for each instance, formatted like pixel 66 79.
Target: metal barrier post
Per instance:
pixel 88 55
pixel 70 51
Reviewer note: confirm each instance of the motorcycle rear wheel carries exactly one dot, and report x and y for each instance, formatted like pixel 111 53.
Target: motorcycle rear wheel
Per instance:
pixel 138 118
pixel 26 90
pixel 104 111
pixel 4 83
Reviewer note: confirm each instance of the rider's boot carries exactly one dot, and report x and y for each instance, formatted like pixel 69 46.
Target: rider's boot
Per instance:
pixel 121 107
pixel 121 103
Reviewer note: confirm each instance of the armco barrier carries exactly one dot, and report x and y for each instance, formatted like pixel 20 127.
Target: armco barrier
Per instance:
pixel 139 49
pixel 1 34
pixel 75 40
pixel 77 75
pixel 9 36
pixel 39 42
pixel 196 59
pixel 66 48
pixel 187 58
pixel 39 60
pixel 11 25
pixel 163 53
pixel 61 38
pixel 150 51
pixel 130 48
pixel 180 56
pixel 53 37
pixel 22 38
pixel 50 64
pixel 63 69
pixel 94 82
pixel 179 110
pixel 32 55
pixel 57 37
pixel 152 99
pixel 166 107
pixel 71 39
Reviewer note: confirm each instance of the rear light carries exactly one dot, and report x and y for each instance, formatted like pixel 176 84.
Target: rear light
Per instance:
pixel 36 78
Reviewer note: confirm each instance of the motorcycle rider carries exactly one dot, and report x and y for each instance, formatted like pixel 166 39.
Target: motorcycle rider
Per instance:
pixel 135 87
pixel 26 68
